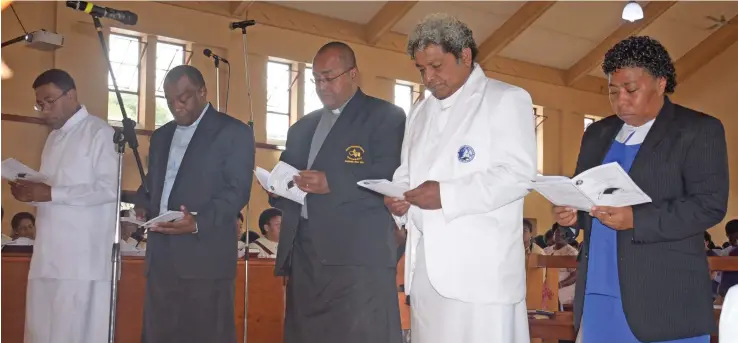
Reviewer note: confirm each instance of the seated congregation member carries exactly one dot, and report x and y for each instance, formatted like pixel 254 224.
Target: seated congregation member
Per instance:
pixel 24 229
pixel 127 230
pixel 270 223
pixel 530 246
pixel 567 276
pixel 468 157
pixel 643 275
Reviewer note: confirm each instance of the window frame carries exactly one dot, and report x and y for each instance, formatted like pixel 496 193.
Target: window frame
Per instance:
pixel 289 85
pixel 589 119
pixel 308 76
pixel 156 69
pixel 410 90
pixel 111 88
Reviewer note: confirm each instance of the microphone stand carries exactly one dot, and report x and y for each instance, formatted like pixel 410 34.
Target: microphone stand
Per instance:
pixel 127 135
pixel 217 82
pixel 246 219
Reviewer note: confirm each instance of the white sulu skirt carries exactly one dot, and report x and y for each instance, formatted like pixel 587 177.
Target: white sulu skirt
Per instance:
pixel 437 319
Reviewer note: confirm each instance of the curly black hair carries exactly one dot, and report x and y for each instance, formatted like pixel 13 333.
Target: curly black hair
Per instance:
pixel 642 52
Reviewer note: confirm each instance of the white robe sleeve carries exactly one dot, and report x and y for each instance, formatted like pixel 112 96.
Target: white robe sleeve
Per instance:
pixel 102 189
pixel 402 175
pixel 512 161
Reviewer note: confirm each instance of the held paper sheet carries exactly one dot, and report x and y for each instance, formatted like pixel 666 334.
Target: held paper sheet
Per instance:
pixel 12 170
pixel 385 187
pixel 168 216
pixel 281 182
pixel 605 185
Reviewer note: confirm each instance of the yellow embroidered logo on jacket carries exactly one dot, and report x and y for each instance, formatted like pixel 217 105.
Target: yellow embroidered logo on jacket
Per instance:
pixel 355 154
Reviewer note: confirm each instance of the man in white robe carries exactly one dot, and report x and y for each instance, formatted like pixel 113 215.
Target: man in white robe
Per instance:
pixel 68 295
pixel 468 157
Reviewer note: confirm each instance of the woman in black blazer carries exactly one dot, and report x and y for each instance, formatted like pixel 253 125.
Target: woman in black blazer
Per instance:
pixel 643 275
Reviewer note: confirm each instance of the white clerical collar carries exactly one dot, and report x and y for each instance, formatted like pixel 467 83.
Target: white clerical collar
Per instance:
pixel 451 99
pixel 338 111
pixel 75 119
pixel 194 125
pixel 634 134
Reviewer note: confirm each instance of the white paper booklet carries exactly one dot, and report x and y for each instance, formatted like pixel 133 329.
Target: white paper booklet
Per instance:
pixel 605 185
pixel 12 170
pixel 281 182
pixel 385 187
pixel 168 216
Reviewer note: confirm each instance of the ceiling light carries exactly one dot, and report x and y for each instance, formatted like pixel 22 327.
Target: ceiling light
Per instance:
pixel 632 11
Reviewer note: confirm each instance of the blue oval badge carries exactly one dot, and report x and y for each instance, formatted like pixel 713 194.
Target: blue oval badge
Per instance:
pixel 465 154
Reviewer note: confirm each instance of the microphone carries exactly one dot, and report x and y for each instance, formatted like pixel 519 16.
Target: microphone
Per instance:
pixel 209 53
pixel 125 17
pixel 241 24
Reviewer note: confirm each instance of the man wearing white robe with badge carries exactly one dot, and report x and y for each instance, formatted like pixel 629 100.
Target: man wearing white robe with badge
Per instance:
pixel 468 157
pixel 68 295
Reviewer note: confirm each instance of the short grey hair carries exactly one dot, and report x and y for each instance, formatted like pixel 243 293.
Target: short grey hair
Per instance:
pixel 443 30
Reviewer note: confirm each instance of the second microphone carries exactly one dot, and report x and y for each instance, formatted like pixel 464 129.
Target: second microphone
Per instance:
pixel 209 53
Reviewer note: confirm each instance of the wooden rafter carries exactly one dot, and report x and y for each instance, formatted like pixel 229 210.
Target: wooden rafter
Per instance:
pixel 512 28
pixel 274 15
pixel 713 45
pixel 386 18
pixel 239 8
pixel 651 12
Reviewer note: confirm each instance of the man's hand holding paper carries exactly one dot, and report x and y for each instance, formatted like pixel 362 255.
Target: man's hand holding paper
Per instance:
pixel 27 191
pixel 397 207
pixel 312 181
pixel 187 224
pixel 426 196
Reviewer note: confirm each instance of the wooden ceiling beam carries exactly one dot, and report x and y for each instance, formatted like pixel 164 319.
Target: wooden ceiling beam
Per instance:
pixel 512 28
pixel 239 8
pixel 651 12
pixel 270 14
pixel 386 18
pixel 709 48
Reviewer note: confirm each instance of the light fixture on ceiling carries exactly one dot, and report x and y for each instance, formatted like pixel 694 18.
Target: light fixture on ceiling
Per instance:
pixel 632 11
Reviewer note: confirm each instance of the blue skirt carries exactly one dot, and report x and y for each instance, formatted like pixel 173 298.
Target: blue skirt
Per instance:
pixel 604 321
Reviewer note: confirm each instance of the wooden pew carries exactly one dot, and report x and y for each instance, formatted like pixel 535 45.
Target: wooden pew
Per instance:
pixel 561 325
pixel 266 300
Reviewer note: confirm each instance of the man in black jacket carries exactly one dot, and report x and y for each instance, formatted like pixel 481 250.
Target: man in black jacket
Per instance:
pixel 339 249
pixel 198 163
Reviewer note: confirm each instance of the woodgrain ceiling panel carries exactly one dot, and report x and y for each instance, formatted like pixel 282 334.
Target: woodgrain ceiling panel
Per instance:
pixel 480 22
pixel 548 48
pixel 360 12
pixel 591 20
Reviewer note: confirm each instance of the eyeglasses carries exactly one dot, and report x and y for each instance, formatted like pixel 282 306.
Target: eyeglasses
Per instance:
pixel 330 79
pixel 40 106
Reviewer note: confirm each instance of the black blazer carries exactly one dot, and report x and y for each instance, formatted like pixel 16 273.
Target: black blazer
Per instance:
pixel 664 280
pixel 214 180
pixel 351 224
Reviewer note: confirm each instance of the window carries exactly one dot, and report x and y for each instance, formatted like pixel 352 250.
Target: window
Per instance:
pixel 312 101
pixel 279 79
pixel 587 122
pixel 404 96
pixel 125 54
pixel 168 56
